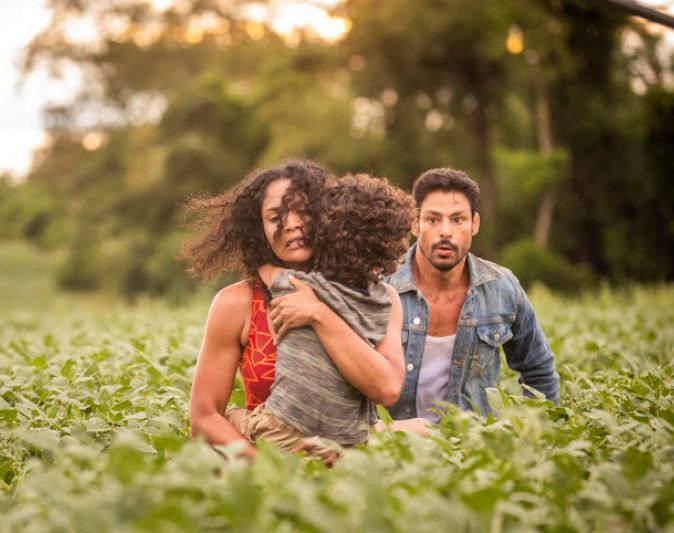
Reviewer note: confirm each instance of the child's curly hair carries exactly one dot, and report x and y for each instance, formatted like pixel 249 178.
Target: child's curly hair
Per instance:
pixel 362 231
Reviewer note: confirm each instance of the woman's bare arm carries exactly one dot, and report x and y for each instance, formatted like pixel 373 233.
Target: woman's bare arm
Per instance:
pixel 377 373
pixel 216 366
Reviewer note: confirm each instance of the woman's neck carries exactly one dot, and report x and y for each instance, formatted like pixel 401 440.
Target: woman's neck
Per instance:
pixel 302 267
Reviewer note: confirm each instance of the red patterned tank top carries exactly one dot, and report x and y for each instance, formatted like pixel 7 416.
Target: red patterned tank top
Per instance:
pixel 259 357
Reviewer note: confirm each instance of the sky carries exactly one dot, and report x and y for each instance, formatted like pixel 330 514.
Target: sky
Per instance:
pixel 21 102
pixel 20 105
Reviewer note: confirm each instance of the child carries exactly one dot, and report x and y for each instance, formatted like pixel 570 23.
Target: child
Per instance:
pixel 361 233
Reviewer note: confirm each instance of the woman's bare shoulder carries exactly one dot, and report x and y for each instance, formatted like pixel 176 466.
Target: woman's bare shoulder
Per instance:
pixel 229 315
pixel 235 298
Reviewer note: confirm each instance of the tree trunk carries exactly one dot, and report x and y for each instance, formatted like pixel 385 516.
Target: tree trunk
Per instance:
pixel 544 219
pixel 480 123
pixel 545 146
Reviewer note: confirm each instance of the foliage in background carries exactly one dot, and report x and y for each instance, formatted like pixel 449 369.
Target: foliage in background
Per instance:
pixel 545 266
pixel 535 100
pixel 93 436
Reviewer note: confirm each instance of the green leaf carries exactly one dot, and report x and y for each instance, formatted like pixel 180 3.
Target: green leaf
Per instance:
pixel 40 438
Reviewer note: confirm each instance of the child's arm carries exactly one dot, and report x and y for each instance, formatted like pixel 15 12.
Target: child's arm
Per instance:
pixel 268 272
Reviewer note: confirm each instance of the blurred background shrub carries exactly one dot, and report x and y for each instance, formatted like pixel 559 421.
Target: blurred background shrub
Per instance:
pixel 562 111
pixel 545 266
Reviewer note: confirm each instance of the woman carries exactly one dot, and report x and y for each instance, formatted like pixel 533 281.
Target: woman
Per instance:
pixel 362 232
pixel 269 219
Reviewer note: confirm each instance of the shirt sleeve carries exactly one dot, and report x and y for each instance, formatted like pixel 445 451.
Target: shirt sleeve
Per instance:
pixel 528 351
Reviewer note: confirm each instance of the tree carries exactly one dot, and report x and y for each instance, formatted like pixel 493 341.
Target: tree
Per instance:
pixel 562 125
pixel 445 62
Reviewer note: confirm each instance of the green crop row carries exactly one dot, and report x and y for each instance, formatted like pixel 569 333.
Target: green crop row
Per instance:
pixel 94 436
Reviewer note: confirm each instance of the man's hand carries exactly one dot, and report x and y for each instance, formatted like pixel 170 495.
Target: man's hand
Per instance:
pixel 419 426
pixel 294 310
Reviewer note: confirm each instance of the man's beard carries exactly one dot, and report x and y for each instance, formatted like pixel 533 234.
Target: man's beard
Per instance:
pixel 444 266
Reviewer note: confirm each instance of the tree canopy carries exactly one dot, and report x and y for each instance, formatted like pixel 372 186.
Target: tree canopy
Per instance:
pixel 563 111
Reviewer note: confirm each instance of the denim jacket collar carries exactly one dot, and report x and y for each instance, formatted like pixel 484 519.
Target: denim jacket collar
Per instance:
pixel 479 270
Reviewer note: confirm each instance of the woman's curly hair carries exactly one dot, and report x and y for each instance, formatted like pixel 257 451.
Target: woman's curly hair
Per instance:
pixel 231 230
pixel 362 232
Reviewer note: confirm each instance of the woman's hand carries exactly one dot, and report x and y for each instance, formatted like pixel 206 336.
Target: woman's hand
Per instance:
pixel 294 310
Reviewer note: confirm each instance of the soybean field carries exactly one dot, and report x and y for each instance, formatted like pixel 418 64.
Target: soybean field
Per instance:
pixel 94 435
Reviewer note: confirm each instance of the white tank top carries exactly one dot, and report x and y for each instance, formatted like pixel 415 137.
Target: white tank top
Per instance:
pixel 434 375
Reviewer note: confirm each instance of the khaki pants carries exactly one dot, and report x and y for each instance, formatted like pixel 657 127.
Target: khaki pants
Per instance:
pixel 261 424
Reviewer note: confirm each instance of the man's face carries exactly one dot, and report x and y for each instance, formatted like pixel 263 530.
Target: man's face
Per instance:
pixel 444 229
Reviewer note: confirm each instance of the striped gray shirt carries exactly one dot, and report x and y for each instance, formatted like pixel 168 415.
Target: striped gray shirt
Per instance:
pixel 309 392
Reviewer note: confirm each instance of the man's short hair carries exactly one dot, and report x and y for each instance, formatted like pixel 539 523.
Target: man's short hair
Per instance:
pixel 447 180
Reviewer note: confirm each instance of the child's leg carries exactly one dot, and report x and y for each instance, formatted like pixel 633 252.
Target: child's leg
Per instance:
pixel 261 424
pixel 264 425
pixel 326 451
pixel 239 417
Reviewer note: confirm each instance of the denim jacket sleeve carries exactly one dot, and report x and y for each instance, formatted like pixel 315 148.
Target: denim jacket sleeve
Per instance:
pixel 528 352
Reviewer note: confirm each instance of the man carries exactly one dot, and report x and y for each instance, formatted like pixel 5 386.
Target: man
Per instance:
pixel 458 309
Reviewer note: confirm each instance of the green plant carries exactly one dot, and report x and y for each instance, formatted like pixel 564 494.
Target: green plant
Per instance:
pixel 93 436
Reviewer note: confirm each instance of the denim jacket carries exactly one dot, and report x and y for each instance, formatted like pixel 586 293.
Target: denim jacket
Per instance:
pixel 496 313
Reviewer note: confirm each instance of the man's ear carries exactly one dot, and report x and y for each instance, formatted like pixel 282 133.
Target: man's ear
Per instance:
pixel 476 223
pixel 415 225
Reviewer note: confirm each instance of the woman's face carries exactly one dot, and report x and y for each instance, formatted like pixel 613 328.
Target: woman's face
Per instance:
pixel 289 246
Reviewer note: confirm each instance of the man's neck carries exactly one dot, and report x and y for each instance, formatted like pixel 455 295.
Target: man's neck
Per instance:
pixel 431 280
